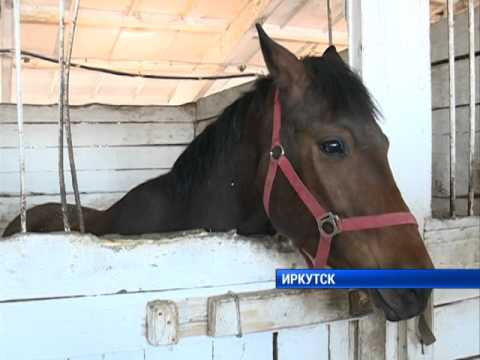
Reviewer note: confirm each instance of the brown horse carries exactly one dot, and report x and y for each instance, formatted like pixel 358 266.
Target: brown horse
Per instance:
pixel 330 134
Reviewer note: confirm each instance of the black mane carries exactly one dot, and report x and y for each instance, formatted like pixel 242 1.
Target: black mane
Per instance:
pixel 333 79
pixel 343 90
pixel 218 138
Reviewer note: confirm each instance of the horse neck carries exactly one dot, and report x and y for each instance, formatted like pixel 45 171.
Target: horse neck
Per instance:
pixel 230 194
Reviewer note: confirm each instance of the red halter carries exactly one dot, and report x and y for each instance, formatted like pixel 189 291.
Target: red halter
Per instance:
pixel 329 224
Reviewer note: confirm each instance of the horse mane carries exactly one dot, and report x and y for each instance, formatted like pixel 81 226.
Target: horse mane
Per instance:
pixel 342 89
pixel 218 138
pixel 333 79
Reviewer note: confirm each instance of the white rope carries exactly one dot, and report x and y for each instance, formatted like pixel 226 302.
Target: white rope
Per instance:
pixel 21 148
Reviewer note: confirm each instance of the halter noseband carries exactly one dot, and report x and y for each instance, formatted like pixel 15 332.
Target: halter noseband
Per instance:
pixel 328 223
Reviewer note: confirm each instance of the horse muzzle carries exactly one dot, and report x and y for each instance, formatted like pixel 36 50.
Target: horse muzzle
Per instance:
pixel 401 304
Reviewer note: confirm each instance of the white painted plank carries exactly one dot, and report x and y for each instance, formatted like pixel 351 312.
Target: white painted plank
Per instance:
pixel 124 355
pixel 372 337
pixel 46 182
pixel 89 265
pixel 439 35
pixel 213 105
pixel 138 157
pixel 454 243
pixel 247 347
pixel 462 253
pixel 202 125
pixel 446 296
pixel 306 343
pixel 111 134
pixel 445 224
pixel 101 113
pixel 9 206
pixel 57 328
pixel 392 340
pixel 280 309
pixel 200 348
pixel 457 329
pixel 440 84
pixel 339 338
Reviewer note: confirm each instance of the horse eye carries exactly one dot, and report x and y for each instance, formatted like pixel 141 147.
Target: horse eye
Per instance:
pixel 333 147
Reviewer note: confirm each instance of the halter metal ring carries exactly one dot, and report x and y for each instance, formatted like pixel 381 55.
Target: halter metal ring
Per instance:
pixel 329 225
pixel 277 151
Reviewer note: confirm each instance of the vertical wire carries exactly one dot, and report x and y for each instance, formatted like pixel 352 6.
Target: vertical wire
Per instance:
pixel 73 169
pixel 21 148
pixel 471 27
pixel 61 100
pixel 453 135
pixel 329 17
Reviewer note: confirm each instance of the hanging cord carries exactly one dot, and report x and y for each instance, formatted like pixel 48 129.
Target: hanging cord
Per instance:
pixel 61 113
pixel 129 74
pixel 71 158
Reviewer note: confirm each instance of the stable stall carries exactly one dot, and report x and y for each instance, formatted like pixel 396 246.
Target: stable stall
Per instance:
pixel 211 295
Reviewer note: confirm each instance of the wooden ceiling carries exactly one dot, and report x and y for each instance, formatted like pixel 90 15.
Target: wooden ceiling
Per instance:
pixel 167 37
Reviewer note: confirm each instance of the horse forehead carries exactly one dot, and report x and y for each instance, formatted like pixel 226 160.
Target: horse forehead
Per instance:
pixel 364 130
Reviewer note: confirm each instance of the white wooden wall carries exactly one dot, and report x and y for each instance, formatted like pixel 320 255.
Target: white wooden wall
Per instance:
pixel 116 148
pixel 81 297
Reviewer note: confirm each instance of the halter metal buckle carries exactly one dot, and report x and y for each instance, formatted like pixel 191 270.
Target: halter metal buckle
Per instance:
pixel 277 151
pixel 329 225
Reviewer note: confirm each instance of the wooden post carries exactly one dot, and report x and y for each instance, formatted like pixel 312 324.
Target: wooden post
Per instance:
pixel 397 73
pixel 471 47
pixel 453 131
pixel 68 127
pixel 61 100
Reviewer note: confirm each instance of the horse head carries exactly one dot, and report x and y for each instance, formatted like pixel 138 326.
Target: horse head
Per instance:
pixel 330 136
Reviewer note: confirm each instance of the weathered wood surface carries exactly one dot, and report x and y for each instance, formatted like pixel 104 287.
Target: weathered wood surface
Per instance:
pixel 93 181
pixel 95 280
pixel 454 243
pixel 88 283
pixel 116 148
pixel 9 204
pixel 459 327
pixel 439 36
pixel 274 310
pixel 96 113
pixel 86 265
pixel 441 156
pixel 440 115
pixel 440 83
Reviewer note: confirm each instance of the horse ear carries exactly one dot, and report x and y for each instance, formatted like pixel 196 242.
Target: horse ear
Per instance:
pixel 286 70
pixel 332 54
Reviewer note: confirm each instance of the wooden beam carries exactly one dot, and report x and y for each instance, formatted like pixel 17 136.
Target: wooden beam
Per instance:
pixel 6 42
pixel 298 34
pixel 226 42
pixel 294 11
pixel 234 314
pixel 45 14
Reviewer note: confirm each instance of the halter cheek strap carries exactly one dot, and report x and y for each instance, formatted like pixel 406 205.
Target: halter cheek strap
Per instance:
pixel 328 223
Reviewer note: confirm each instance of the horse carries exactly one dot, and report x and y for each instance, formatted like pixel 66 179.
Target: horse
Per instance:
pixel 335 147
